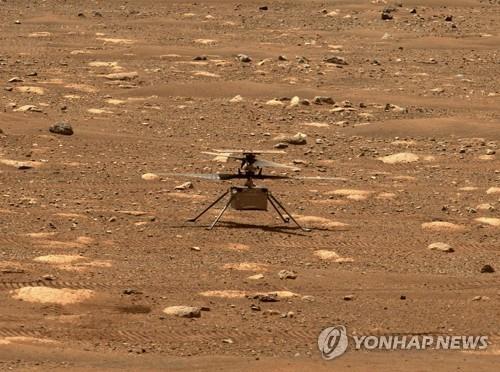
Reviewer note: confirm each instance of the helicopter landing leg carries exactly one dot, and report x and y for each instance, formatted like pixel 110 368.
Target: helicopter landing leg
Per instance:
pixel 207 208
pixel 221 213
pixel 285 219
pixel 273 200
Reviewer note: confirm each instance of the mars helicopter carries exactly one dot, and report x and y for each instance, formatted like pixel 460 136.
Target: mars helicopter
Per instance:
pixel 248 196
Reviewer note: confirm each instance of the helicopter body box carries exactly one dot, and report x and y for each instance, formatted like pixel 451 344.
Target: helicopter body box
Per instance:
pixel 249 198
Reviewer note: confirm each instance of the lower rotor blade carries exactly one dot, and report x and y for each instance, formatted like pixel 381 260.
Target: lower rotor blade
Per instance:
pixel 319 178
pixel 269 176
pixel 206 176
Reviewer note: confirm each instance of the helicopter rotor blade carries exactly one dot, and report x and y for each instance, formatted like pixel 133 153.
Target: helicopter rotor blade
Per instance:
pixel 206 176
pixel 319 178
pixel 223 155
pixel 255 152
pixel 267 163
pixel 270 177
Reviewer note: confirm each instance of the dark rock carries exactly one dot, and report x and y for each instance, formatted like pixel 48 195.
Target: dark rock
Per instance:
pixel 336 60
pixel 386 16
pixel 449 18
pixel 200 58
pixel 287 274
pixel 61 128
pixel 265 297
pixel 263 7
pixel 243 58
pixel 323 99
pixel 487 269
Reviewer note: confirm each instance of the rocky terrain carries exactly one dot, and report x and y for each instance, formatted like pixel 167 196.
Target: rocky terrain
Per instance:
pixel 397 102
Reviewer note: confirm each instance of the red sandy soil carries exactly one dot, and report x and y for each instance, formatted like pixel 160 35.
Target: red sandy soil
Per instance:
pixel 415 84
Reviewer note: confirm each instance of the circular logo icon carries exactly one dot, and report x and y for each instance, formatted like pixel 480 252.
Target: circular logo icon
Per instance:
pixel 332 342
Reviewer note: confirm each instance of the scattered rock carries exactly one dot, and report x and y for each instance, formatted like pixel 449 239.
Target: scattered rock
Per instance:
pixel 387 13
pixel 323 99
pixel 308 298
pixel 256 277
pixel 150 177
pixel 403 157
pixel 493 190
pixel 348 297
pixel 287 274
pixel 64 129
pixel 265 297
pixel 386 16
pixel 324 254
pixel 487 269
pixel 394 108
pixel 183 311
pixel 295 101
pixel 200 58
pixel 485 207
pixel 489 221
pixel 26 108
pixel 16 80
pixel 336 60
pixel 243 58
pixel 236 99
pixel 281 145
pixel 443 247
pixel 275 102
pixel 297 139
pixel 480 298
pixel 184 186
pixel 122 76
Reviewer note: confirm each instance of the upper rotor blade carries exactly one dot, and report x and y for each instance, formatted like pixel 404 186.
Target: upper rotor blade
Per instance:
pixel 256 152
pixel 223 155
pixel 267 163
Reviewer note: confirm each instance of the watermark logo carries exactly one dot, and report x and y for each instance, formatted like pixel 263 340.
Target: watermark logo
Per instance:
pixel 333 342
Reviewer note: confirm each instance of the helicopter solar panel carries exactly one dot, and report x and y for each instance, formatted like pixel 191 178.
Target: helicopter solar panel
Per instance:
pixel 249 199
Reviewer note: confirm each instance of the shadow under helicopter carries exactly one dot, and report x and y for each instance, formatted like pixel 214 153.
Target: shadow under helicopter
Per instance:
pixel 290 230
